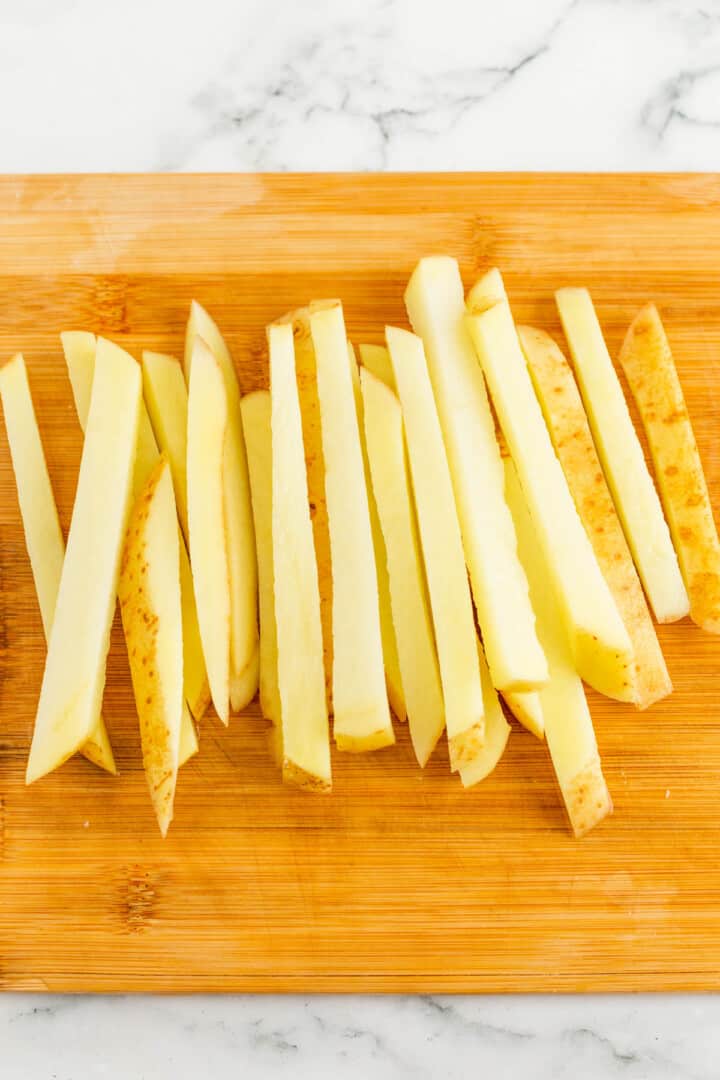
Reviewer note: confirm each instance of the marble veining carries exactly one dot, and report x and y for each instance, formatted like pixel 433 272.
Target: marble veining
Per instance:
pixel 360 84
pixel 547 1038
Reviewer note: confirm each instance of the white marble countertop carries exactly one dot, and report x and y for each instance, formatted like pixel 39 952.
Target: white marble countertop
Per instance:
pixel 359 84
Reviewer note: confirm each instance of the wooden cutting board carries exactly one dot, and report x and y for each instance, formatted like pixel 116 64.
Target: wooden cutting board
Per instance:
pixel 399 881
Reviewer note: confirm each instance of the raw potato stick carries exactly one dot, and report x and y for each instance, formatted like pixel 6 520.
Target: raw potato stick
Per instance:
pixel 599 641
pixel 306 380
pixel 207 422
pixel 497 731
pixel 79 348
pixel 569 731
pixel 241 557
pixel 619 449
pixel 650 370
pixel 74 675
pixel 149 594
pixel 393 677
pixel 435 303
pixel 257 417
pixel 301 676
pixel 43 536
pixel 408 590
pixel 360 704
pixel 567 423
pixel 442 549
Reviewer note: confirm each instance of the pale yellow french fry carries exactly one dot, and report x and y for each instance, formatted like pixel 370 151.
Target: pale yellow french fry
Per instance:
pixel 567 423
pixel 241 557
pixel 599 641
pixel 497 731
pixel 619 449
pixel 569 731
pixel 410 606
pixel 393 678
pixel 207 423
pixel 435 302
pixel 360 703
pixel 79 348
pixel 651 373
pixel 526 708
pixel 257 418
pixel 149 594
pixel 306 379
pixel 43 536
pixel 74 676
pixel 301 675
pixel 165 394
pixel 442 549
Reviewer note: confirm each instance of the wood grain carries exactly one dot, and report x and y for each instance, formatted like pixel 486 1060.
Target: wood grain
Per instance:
pixel 399 880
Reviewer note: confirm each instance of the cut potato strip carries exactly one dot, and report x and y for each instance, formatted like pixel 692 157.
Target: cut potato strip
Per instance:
pixel 149 594
pixel 435 304
pixel 43 536
pixel 360 704
pixel 79 349
pixel 651 373
pixel 207 423
pixel 241 557
pixel 306 378
pixel 166 400
pixel 619 449
pixel 376 359
pixel 301 676
pixel 497 731
pixel 448 587
pixel 526 708
pixel 393 678
pixel 257 416
pixel 197 688
pixel 74 675
pixel 568 725
pixel 568 426
pixel 408 591
pixel 599 640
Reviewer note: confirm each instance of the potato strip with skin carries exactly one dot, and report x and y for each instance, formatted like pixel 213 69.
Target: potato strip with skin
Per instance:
pixel 600 643
pixel 569 731
pixel 149 594
pixel 301 675
pixel 650 370
pixel 448 587
pixel 435 303
pixel 74 676
pixel 79 348
pixel 619 449
pixel 567 423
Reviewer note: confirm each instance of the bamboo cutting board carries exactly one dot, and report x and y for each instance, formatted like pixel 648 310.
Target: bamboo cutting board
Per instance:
pixel 399 881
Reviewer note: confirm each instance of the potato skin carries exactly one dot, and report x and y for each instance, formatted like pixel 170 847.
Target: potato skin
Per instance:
pixel 155 700
pixel 647 360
